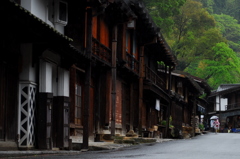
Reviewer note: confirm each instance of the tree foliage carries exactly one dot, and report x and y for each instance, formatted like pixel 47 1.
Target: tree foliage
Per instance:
pixel 230 29
pixel 162 12
pixel 223 67
pixel 228 7
pixel 195 33
pixel 204 36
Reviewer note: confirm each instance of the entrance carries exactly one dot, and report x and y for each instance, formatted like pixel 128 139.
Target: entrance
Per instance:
pixel 8 102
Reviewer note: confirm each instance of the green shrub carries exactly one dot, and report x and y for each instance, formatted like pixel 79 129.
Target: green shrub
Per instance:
pixel 201 127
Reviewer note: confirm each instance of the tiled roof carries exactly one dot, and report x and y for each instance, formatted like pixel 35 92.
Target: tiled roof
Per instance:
pixel 189 78
pixel 228 89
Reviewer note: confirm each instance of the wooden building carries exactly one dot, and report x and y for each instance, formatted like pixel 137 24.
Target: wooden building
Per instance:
pixel 121 80
pixel 84 71
pixel 224 103
pixel 34 66
pixel 187 106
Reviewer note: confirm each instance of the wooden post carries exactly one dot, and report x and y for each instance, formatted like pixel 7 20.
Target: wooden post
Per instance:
pixel 166 76
pixel 220 110
pixel 141 75
pixel 114 79
pixel 87 79
pixel 131 107
pixel 170 104
pixel 194 114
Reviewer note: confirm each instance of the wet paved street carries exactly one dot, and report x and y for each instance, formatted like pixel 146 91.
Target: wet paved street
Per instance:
pixel 208 146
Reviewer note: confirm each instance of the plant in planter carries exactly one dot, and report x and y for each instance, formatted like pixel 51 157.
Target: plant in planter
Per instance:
pixel 164 122
pixel 201 127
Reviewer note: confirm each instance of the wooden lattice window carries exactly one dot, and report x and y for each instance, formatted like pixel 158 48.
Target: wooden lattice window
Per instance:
pixel 78 101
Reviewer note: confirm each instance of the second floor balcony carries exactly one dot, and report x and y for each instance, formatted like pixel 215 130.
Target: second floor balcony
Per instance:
pixel 153 77
pixel 232 106
pixel 132 63
pixel 101 52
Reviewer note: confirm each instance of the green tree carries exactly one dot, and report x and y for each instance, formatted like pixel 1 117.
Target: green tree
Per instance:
pixel 162 12
pixel 208 4
pixel 194 34
pixel 230 29
pixel 224 67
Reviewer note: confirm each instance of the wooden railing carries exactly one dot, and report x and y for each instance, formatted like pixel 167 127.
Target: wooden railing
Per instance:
pixel 101 51
pixel 232 106
pixel 153 77
pixel 132 63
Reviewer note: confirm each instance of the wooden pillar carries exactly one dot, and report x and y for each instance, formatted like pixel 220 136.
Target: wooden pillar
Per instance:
pixel 87 79
pixel 194 114
pixel 220 108
pixel 114 79
pixel 170 104
pixel 141 76
pixel 124 30
pixel 131 107
pixel 166 74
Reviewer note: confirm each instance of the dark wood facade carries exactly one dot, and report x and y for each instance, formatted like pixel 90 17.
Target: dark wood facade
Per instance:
pixel 109 52
pixel 228 111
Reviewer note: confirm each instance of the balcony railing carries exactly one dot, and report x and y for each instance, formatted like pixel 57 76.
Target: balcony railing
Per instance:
pixel 101 51
pixel 232 106
pixel 153 77
pixel 132 63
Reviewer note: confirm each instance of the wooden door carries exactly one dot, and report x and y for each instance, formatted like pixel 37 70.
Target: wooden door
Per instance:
pixel 125 107
pixel 8 101
pixel 79 87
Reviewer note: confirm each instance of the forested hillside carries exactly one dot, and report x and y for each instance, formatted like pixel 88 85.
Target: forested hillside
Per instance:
pixel 204 35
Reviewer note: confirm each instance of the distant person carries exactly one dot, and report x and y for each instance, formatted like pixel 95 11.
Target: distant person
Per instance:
pixel 216 125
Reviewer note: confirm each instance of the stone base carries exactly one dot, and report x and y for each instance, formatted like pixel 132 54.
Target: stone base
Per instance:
pixel 8 145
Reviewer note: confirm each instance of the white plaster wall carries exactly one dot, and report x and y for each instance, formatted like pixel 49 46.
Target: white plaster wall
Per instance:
pixel 63 82
pixel 45 77
pixel 40 8
pixel 27 4
pixel 36 7
pixel 223 103
pixel 28 71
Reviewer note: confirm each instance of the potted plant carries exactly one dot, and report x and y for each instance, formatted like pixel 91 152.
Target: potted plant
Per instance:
pixel 201 127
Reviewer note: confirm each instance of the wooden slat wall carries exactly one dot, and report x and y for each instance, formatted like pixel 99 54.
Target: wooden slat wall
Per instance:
pixel 11 103
pixel 135 108
pixel 104 33
pixel 2 99
pixel 72 94
pixel 238 97
pixel 144 117
pixel 91 109
pixel 176 116
pixel 119 103
pixel 129 41
pixel 154 117
pixel 108 97
pixel 8 102
pixel 137 53
pixel 186 116
pixel 94 27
